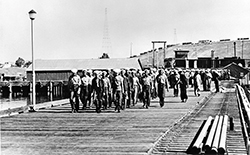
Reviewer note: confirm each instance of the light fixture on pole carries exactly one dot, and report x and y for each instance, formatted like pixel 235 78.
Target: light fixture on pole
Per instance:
pixel 32 15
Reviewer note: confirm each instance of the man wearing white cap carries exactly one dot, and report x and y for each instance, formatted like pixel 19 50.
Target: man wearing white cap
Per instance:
pixel 74 89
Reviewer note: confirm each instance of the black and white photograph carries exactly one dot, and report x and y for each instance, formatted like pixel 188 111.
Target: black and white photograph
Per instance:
pixel 124 77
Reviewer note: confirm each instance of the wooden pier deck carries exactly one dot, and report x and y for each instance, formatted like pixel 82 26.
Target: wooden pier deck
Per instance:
pixel 57 131
pixel 177 140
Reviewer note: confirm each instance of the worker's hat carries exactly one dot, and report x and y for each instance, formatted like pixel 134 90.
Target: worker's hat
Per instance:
pixel 74 70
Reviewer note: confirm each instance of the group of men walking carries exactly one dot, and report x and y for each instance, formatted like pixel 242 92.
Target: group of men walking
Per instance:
pixel 123 88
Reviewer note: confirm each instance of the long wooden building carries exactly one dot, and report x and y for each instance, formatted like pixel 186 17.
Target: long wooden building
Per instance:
pixel 54 70
pixel 12 74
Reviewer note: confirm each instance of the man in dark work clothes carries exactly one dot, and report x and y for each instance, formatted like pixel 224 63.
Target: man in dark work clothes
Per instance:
pixel 162 81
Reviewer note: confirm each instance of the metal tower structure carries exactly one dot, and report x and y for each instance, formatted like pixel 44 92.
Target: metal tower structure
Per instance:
pixel 106 43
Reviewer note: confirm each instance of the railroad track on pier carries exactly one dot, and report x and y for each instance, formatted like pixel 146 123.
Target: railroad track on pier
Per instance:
pixel 178 138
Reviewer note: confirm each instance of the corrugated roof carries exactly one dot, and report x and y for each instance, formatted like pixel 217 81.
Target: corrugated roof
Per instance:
pixel 68 64
pixel 236 70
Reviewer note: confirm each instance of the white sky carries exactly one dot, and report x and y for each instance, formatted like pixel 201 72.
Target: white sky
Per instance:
pixel 72 29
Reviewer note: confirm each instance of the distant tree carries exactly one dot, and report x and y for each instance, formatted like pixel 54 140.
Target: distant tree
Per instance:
pixel 20 62
pixel 104 56
pixel 27 64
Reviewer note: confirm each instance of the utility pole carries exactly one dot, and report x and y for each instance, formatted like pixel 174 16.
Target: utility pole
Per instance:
pixel 234 49
pixel 153 63
pixel 164 54
pixel 242 49
pixel 131 52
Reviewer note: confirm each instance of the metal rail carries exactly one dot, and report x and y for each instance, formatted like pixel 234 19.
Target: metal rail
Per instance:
pixel 222 144
pixel 244 111
pixel 197 147
pixel 212 138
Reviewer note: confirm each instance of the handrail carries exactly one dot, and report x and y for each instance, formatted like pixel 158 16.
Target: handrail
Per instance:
pixel 244 124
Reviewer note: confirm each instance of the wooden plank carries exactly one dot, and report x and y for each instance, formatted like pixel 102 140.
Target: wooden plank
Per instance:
pixel 58 131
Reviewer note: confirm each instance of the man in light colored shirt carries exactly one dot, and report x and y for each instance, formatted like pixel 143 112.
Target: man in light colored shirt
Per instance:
pixel 135 88
pixel 106 89
pixel 118 90
pixel 146 88
pixel 90 73
pixel 84 89
pixel 197 83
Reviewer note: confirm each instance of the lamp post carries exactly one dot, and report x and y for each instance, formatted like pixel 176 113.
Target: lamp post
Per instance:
pixel 32 15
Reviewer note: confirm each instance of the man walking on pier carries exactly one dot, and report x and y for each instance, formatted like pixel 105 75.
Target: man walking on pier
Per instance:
pixel 215 77
pixel 97 89
pixel 136 86
pixel 74 89
pixel 125 89
pixel 197 83
pixel 183 86
pixel 146 89
pixel 84 89
pixel 162 81
pixel 119 90
pixel 89 74
pixel 106 89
